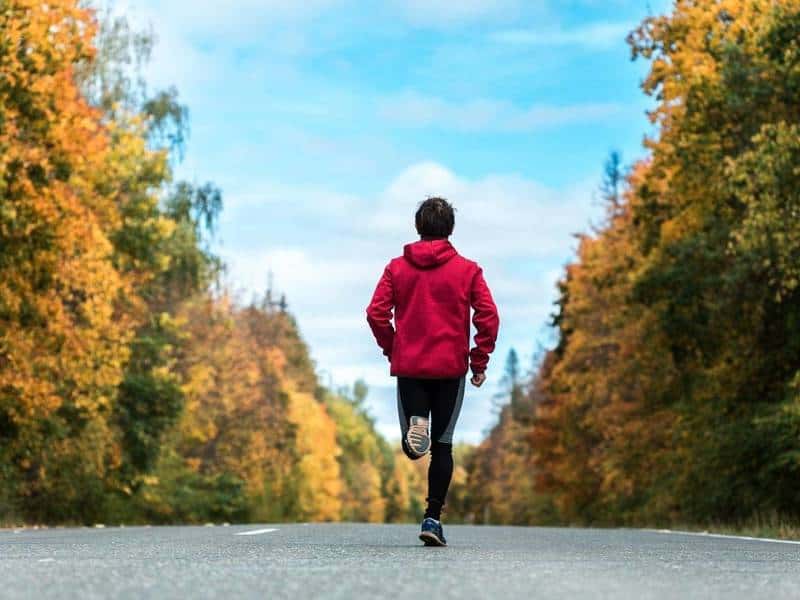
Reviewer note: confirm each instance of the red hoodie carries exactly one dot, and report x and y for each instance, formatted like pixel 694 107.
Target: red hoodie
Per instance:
pixel 431 289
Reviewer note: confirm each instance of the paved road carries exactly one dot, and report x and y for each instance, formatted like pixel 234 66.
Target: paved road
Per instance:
pixel 386 561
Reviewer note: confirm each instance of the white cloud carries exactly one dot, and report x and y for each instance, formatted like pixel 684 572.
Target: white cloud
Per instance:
pixel 498 216
pixel 594 35
pixel 415 110
pixel 232 17
pixel 282 197
pixel 314 275
pixel 197 41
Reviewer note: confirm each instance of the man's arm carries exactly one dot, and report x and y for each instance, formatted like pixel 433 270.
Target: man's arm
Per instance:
pixel 380 312
pixel 487 323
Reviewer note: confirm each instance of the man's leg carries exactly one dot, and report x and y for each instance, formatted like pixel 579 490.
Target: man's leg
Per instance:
pixel 413 400
pixel 445 408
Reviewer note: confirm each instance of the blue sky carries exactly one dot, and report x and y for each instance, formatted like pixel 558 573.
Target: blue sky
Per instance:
pixel 325 122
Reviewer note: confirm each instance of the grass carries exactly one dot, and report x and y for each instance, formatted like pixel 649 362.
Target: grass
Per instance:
pixel 766 526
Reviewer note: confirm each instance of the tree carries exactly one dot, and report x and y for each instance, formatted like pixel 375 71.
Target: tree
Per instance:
pixel 669 396
pixel 64 335
pixel 162 241
pixel 613 181
pixel 318 472
pixel 364 460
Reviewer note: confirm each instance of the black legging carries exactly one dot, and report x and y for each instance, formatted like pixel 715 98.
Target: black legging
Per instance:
pixel 440 400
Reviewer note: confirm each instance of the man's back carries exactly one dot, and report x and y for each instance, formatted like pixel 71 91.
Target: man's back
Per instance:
pixel 431 289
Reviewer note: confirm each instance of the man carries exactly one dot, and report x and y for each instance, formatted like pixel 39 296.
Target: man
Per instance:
pixel 430 291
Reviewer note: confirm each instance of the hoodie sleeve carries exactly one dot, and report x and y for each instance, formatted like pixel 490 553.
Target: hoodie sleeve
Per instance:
pixel 486 321
pixel 380 313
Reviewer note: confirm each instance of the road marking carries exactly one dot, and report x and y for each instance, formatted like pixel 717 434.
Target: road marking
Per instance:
pixel 256 532
pixel 728 537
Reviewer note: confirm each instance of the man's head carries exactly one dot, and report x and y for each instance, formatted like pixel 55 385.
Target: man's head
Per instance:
pixel 435 219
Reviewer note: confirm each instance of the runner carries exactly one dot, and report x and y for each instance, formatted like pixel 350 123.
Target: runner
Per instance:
pixel 429 291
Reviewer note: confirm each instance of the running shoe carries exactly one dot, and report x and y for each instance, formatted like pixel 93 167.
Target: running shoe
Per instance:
pixel 418 440
pixel 432 533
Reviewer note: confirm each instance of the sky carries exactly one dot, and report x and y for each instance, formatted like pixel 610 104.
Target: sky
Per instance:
pixel 326 122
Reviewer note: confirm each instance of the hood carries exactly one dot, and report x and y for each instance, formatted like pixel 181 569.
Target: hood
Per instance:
pixel 427 254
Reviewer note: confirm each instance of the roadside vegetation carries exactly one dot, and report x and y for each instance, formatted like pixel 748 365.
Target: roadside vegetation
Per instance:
pixel 673 394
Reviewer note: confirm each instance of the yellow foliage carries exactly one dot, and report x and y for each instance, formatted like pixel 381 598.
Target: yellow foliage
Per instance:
pixel 228 425
pixel 320 484
pixel 407 489
pixel 64 341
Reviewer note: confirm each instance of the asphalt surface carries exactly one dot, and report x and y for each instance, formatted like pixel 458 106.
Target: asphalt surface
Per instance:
pixel 387 561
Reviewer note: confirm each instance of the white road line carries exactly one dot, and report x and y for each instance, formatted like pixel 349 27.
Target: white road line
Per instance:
pixel 256 532
pixel 727 537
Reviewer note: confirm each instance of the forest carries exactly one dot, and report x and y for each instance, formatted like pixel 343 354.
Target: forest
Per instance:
pixel 673 392
pixel 136 388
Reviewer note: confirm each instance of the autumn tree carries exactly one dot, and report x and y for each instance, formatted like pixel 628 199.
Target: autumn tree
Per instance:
pixel 726 81
pixel 64 332
pixel 671 391
pixel 365 461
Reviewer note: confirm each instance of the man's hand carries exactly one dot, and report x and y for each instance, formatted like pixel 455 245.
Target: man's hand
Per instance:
pixel 478 379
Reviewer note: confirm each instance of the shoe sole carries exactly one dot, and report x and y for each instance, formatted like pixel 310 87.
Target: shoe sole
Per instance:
pixel 431 539
pixel 416 450
pixel 410 452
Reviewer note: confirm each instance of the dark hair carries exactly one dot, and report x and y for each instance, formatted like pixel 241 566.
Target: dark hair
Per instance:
pixel 435 218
